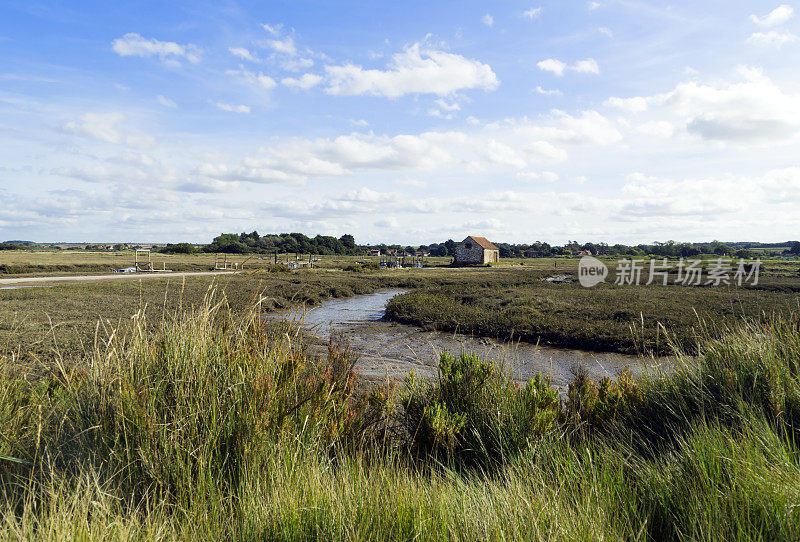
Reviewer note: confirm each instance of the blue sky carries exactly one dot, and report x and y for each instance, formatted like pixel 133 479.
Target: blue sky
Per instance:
pixel 410 122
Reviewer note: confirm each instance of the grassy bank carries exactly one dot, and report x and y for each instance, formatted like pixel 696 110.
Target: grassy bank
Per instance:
pixel 208 425
pixel 506 301
pixel 628 319
pixel 44 323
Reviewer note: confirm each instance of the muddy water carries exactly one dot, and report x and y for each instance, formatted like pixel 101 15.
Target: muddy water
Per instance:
pixel 387 350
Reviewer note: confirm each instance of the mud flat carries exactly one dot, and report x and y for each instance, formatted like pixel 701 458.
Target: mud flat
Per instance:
pixel 387 350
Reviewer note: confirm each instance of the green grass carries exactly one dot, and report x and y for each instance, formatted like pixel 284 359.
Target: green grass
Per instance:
pixel 39 324
pixel 628 319
pixel 208 425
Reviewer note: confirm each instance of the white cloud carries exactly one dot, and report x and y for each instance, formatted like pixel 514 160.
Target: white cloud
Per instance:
pixel 242 53
pixel 104 127
pixel 748 110
pixel 285 46
pixel 558 67
pixel 552 65
pixel 412 71
pixel 773 38
pixel 433 112
pixel 587 128
pixel 545 151
pixel 502 154
pixel 488 20
pixel 132 44
pixel 274 29
pixel 586 66
pixel 89 174
pixel 544 176
pixel 633 105
pixel 532 13
pixel 777 16
pixel 388 222
pixel 753 110
pixel 295 64
pixel 492 224
pixel 661 129
pixel 166 102
pixel 258 80
pixel 606 31
pixel 445 106
pixel 545 92
pixel 358 122
pixel 305 82
pixel 708 197
pixel 414 183
pixel 242 109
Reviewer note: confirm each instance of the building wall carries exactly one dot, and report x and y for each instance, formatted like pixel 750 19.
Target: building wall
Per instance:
pixel 468 251
pixel 491 256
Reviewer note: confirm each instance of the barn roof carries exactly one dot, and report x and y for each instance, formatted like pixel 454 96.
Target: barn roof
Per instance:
pixel 483 242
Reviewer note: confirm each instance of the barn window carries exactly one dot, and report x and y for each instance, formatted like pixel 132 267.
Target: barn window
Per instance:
pixel 468 246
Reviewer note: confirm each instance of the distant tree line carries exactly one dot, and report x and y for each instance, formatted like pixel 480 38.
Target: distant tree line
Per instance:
pixel 16 245
pixel 253 243
pixel 669 249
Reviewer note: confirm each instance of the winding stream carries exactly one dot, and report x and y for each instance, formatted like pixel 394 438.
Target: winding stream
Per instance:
pixel 387 350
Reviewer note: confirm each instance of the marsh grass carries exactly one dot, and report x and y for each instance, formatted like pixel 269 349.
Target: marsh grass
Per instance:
pixel 626 319
pixel 210 425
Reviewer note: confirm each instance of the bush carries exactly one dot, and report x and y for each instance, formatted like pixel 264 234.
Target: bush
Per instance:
pixel 360 268
pixel 475 414
pixel 599 403
pixel 179 248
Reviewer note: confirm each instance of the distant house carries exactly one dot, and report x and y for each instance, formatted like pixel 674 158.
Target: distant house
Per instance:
pixel 476 250
pixel 375 252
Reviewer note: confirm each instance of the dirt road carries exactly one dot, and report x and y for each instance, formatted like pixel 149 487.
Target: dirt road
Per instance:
pixel 23 282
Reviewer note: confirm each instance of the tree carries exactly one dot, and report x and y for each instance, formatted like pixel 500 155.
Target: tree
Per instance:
pixel 179 248
pixel 348 241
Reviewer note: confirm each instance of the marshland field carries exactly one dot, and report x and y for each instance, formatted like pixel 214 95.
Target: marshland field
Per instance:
pixel 173 408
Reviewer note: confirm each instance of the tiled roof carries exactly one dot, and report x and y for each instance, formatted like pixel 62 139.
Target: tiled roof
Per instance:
pixel 483 242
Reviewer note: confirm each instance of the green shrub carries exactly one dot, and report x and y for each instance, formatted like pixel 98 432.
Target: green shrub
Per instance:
pixel 475 414
pixel 601 402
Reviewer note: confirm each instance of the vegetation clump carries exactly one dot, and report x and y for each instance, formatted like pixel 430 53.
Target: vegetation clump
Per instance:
pixel 475 413
pixel 209 424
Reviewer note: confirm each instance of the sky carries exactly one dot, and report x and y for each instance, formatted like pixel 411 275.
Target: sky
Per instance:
pixel 400 122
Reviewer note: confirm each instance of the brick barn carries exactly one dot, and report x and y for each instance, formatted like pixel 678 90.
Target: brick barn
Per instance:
pixel 476 250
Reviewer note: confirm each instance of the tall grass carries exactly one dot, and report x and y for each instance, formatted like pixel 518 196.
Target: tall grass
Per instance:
pixel 214 426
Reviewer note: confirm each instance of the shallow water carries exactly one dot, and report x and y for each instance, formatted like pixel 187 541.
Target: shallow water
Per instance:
pixel 388 350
